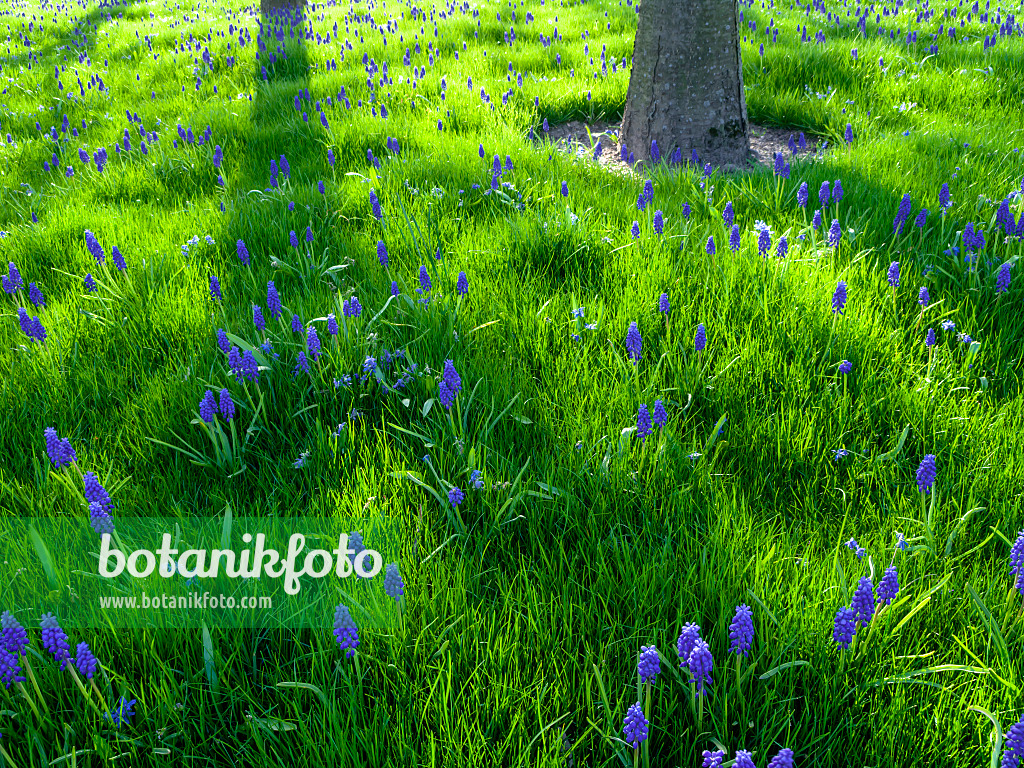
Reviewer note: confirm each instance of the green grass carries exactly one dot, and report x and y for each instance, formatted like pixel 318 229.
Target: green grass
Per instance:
pixel 525 609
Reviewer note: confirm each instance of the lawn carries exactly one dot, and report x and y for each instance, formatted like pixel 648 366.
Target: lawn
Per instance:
pixel 328 265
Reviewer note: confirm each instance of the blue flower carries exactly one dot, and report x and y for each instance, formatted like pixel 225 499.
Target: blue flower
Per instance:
pixel 635 726
pixel 659 415
pixel 864 601
pixel 456 496
pixel 700 664
pixel 649 665
pixel 844 627
pixel 741 631
pixel 688 638
pixel 839 298
pixel 208 407
pixel 124 712
pixel 462 284
pixel 643 423
pixel 889 586
pixel 926 473
pixel 634 343
pixel 394 587
pixel 345 631
pixel 700 339
pixel 450 385
pixel 55 640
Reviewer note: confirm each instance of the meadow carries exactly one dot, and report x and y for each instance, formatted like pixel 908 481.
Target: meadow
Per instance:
pixel 328 263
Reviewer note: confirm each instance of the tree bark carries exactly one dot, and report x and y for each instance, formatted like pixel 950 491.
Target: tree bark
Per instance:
pixel 686 84
pixel 277 6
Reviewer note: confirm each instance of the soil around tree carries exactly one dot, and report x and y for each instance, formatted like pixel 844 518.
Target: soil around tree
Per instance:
pixel 580 139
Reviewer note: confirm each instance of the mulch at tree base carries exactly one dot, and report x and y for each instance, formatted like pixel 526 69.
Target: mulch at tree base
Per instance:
pixel 579 138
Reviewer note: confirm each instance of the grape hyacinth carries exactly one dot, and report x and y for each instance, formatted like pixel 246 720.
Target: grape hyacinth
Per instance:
pixel 85 661
pixel 208 407
pixel 462 284
pixel 734 238
pixel 456 496
pixel 59 451
pixel 94 247
pixel 243 252
pixel 1003 278
pixel 345 631
pixel 96 493
pixel 643 423
pixel 784 759
pixel 888 587
pixel 10 669
pixel 922 297
pixel 658 415
pixel 743 759
pixel 839 298
pixel 688 638
pixel 1014 749
pixel 649 664
pixel 712 759
pixel 13 636
pixel 1017 561
pixel 835 234
pixel 802 194
pixel 393 584
pixel 55 640
pixel 700 338
pixel 741 631
pixel 844 627
pixel 382 253
pixel 227 405
pixel 926 473
pixel 450 385
pixel 215 292
pixel 663 305
pixel 845 367
pixel 634 343
pixel 864 601
pixel 700 664
pixel 424 279
pixel 893 276
pixel 635 726
pixel 273 301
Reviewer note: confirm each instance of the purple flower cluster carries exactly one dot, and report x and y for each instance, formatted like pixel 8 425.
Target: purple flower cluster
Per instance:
pixel 450 385
pixel 741 631
pixel 55 640
pixel 345 631
pixel 634 343
pixel 59 451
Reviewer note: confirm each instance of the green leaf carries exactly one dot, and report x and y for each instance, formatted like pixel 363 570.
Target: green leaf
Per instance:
pixel 895 451
pixel 306 687
pixel 993 628
pixel 209 659
pixel 997 735
pixel 44 557
pixel 775 670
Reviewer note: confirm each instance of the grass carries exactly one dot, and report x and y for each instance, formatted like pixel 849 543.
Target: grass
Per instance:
pixel 525 608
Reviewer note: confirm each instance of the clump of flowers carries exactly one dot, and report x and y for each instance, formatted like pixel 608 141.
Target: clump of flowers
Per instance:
pixel 741 631
pixel 345 631
pixel 635 726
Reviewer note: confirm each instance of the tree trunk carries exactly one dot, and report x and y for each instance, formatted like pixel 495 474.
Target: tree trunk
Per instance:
pixel 268 7
pixel 686 85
